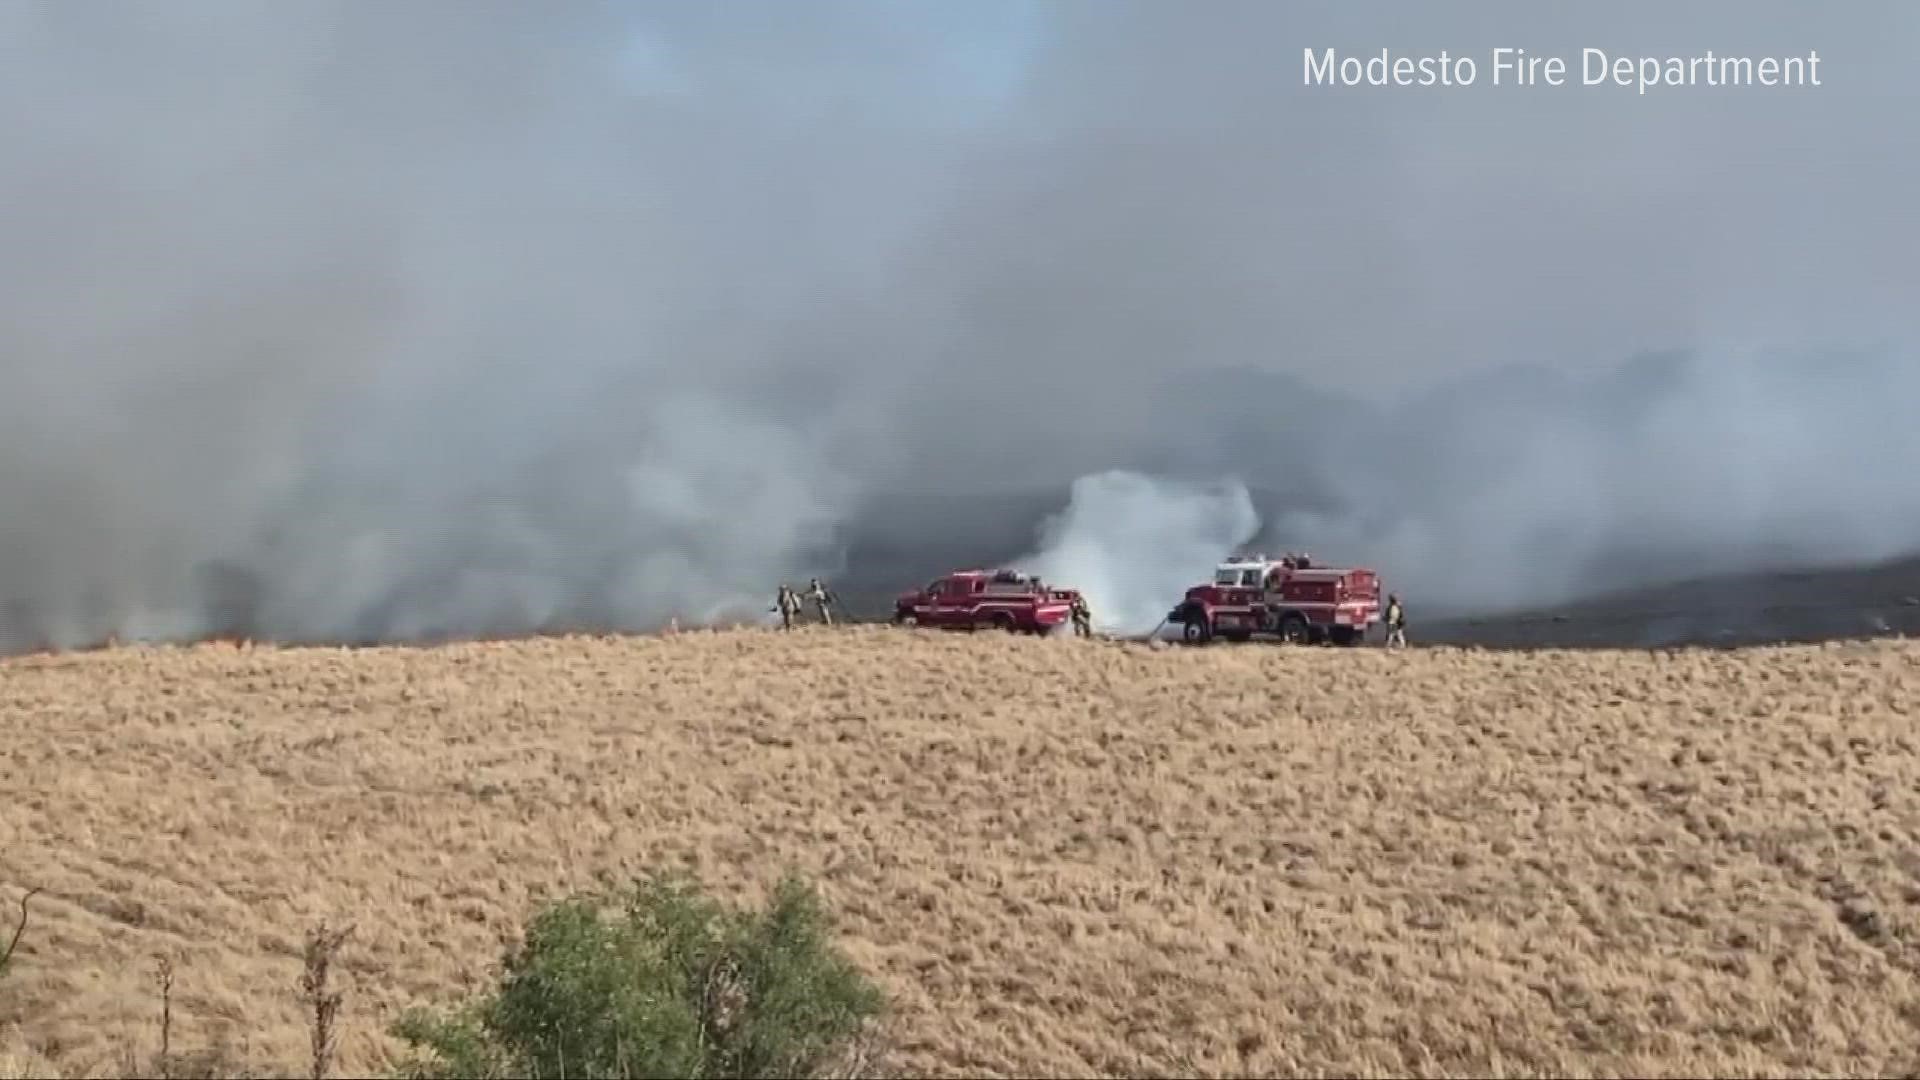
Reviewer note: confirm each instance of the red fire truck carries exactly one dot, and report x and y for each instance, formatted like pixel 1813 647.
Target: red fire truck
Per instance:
pixel 1290 598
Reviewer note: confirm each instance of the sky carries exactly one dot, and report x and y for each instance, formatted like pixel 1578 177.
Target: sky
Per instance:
pixel 329 319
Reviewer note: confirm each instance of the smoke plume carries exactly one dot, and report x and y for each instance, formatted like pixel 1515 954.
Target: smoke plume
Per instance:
pixel 1133 544
pixel 347 321
pixel 1527 488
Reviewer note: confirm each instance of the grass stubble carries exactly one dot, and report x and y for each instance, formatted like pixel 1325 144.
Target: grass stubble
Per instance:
pixel 1061 858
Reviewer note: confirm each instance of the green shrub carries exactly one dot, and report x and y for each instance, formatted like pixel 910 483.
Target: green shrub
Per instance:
pixel 659 981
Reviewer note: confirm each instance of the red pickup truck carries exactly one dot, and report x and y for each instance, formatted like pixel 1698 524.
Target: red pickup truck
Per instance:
pixel 987 599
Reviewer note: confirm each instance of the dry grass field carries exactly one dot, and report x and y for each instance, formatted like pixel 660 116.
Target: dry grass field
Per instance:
pixel 1062 858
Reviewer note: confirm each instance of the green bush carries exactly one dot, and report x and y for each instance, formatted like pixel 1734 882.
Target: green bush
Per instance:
pixel 659 981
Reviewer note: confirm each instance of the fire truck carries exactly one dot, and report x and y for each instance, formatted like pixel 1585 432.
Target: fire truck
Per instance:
pixel 986 599
pixel 1290 598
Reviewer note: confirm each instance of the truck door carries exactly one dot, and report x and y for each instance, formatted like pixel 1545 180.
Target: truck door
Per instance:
pixel 924 604
pixel 940 602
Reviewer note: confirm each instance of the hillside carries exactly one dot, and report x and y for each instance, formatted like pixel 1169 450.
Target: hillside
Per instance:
pixel 1063 858
pixel 906 540
pixel 1789 605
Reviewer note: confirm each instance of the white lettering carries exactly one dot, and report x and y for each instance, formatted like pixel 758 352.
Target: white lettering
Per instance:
pixel 1519 67
pixel 1324 74
pixel 1587 60
pixel 1524 70
pixel 1384 69
pixel 1705 69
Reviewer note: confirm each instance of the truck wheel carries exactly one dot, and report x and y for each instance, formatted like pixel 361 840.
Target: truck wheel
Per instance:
pixel 1344 636
pixel 908 621
pixel 1003 622
pixel 1294 630
pixel 1197 630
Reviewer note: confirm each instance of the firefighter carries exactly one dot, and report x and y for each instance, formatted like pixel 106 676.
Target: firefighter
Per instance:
pixel 1082 618
pixel 823 600
pixel 1396 622
pixel 787 603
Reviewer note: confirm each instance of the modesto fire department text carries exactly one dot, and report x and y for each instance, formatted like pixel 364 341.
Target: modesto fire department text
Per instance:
pixel 1519 67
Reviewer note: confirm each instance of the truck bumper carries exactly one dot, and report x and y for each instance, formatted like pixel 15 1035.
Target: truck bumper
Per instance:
pixel 1236 622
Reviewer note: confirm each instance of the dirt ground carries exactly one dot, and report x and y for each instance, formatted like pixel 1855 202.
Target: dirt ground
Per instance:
pixel 1062 858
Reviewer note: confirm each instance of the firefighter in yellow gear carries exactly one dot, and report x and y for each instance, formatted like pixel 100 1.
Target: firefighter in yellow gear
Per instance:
pixel 1396 623
pixel 822 600
pixel 787 603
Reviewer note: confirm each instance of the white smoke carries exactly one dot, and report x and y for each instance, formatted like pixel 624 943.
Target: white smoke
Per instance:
pixel 1528 490
pixel 690 516
pixel 299 342
pixel 353 320
pixel 1134 544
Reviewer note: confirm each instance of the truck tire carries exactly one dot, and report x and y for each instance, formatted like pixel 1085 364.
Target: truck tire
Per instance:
pixel 1198 630
pixel 908 620
pixel 1345 636
pixel 1294 629
pixel 1003 622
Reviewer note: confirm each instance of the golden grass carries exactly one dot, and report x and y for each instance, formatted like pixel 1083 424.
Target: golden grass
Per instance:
pixel 1062 858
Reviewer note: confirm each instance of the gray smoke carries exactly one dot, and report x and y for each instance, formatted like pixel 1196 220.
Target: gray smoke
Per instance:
pixel 1133 544
pixel 334 320
pixel 1527 491
pixel 337 321
pixel 1506 345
